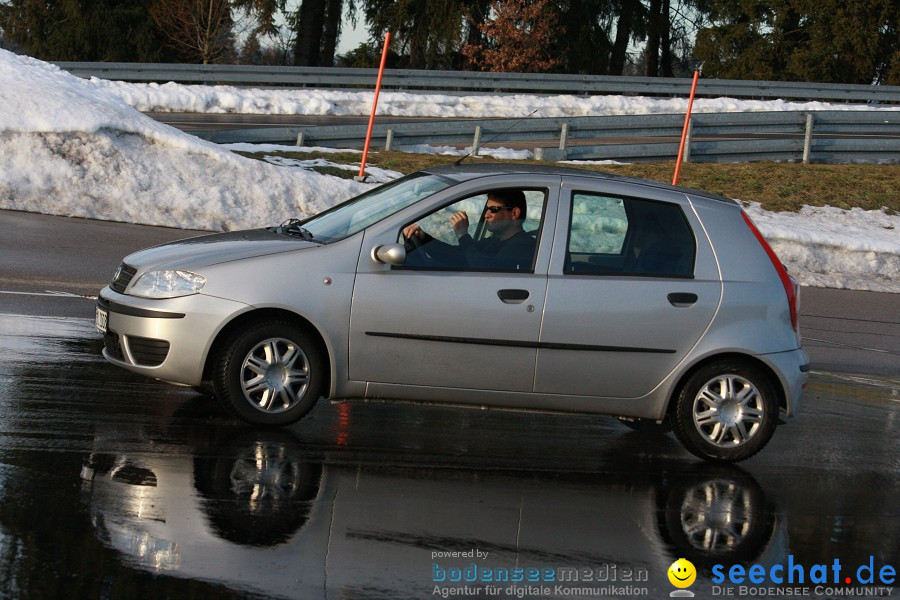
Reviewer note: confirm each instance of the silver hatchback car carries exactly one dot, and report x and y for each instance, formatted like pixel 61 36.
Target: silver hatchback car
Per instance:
pixel 508 286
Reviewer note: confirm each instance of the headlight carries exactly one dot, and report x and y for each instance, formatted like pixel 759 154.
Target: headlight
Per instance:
pixel 167 284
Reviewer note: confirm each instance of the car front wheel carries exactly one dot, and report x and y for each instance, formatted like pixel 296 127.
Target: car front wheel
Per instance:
pixel 726 412
pixel 269 373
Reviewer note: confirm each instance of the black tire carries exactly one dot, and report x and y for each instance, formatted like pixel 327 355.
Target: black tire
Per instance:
pixel 726 411
pixel 269 373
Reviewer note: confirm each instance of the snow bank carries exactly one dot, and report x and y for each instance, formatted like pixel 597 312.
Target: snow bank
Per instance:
pixel 831 247
pixel 228 99
pixel 68 148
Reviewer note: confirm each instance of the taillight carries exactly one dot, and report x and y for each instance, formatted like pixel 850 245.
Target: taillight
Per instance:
pixel 790 284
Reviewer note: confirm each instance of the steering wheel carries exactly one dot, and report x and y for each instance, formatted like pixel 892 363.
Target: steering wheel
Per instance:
pixel 415 253
pixel 414 241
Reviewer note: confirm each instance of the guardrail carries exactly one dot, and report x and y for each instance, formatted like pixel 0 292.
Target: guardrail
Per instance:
pixel 471 82
pixel 826 136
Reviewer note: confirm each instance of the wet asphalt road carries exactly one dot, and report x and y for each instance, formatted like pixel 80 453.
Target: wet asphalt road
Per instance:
pixel 116 486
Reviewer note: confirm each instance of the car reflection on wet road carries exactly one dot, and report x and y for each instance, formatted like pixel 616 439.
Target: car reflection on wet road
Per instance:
pixel 114 486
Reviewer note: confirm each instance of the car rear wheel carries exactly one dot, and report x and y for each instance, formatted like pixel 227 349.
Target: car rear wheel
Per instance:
pixel 269 373
pixel 726 412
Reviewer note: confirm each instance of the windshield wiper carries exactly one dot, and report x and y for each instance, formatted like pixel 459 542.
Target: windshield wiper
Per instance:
pixel 293 228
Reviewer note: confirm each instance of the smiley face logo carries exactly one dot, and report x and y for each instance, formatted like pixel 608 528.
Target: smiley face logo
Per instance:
pixel 682 573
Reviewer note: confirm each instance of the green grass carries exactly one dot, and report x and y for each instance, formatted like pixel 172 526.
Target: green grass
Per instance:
pixel 777 186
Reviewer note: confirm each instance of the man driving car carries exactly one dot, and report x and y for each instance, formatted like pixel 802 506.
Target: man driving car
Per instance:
pixel 508 247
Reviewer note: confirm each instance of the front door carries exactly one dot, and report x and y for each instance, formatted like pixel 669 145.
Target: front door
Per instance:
pixel 444 319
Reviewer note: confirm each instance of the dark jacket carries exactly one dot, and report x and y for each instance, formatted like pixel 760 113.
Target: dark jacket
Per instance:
pixel 513 254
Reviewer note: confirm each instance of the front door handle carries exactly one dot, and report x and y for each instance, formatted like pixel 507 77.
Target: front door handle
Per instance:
pixel 513 296
pixel 681 299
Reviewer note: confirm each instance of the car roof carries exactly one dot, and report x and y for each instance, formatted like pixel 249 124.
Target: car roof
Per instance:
pixel 469 171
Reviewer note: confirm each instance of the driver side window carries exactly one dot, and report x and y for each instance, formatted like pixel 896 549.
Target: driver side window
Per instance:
pixel 437 224
pixel 495 230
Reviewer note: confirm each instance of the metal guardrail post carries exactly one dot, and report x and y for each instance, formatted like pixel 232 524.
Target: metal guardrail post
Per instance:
pixel 807 138
pixel 300 139
pixel 564 137
pixel 389 140
pixel 476 142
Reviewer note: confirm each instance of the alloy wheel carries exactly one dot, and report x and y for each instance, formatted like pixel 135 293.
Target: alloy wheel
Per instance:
pixel 274 375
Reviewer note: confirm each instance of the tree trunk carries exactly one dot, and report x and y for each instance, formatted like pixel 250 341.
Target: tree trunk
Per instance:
pixel 624 27
pixel 665 22
pixel 478 12
pixel 418 37
pixel 787 33
pixel 652 50
pixel 310 25
pixel 333 14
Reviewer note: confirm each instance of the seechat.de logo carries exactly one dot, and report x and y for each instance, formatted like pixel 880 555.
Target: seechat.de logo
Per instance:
pixel 682 575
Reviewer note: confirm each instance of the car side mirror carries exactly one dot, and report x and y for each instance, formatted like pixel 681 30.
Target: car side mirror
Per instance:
pixel 391 254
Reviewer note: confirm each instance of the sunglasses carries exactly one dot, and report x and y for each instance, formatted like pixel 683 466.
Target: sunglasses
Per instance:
pixel 495 209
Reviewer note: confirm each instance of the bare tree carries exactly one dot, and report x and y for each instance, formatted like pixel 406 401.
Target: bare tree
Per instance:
pixel 200 30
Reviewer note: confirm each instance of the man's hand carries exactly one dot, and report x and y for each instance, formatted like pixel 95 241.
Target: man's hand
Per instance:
pixel 413 230
pixel 460 224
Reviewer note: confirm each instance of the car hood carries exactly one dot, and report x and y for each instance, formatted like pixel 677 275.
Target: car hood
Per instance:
pixel 202 251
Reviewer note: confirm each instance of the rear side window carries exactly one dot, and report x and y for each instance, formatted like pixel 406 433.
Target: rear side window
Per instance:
pixel 628 236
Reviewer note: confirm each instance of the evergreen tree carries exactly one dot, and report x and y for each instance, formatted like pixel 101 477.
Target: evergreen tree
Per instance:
pixel 84 30
pixel 746 38
pixel 847 42
pixel 831 41
pixel 262 12
pixel 427 32
pixel 278 48
pixel 584 41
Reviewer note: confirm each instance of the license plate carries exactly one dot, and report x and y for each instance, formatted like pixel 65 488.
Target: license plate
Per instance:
pixel 101 319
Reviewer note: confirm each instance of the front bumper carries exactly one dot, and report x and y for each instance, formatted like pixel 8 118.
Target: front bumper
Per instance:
pixel 166 339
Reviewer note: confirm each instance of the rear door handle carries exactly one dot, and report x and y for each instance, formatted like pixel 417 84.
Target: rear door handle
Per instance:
pixel 681 299
pixel 513 296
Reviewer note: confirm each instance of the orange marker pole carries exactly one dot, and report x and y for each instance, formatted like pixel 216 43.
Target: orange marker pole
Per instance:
pixel 384 53
pixel 684 131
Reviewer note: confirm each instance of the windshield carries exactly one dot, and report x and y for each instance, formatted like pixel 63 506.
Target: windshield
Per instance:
pixel 358 213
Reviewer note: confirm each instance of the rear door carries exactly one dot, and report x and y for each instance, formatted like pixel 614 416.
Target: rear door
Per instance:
pixel 632 287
